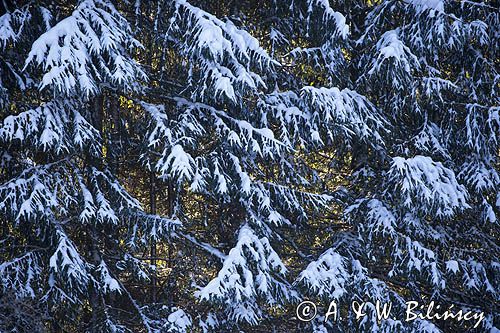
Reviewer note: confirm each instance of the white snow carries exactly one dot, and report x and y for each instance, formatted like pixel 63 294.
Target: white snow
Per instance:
pixel 391 47
pixel 93 37
pixel 109 284
pixel 224 52
pixel 452 266
pixel 428 186
pixel 247 272
pixel 329 13
pixel 180 321
pixel 326 276
pixel 7 33
pixel 432 5
pixel 178 164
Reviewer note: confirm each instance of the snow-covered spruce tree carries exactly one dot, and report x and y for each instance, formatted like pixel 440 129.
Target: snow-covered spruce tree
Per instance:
pixel 309 149
pixel 67 224
pixel 213 147
pixel 426 215
pixel 435 182
pixel 229 127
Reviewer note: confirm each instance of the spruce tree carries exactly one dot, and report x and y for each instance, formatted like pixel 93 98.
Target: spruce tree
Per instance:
pixel 199 166
pixel 65 215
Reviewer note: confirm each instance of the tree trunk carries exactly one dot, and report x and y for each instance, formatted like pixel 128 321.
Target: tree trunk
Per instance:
pixel 152 205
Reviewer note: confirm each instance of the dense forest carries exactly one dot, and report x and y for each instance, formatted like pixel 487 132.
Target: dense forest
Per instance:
pixel 206 166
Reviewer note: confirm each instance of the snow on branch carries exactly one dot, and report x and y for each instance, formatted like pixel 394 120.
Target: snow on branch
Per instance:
pixel 108 283
pixel 250 271
pixel 351 113
pixel 327 276
pixel 228 57
pixel 427 186
pixel 391 60
pixel 42 192
pixel 87 48
pixel 329 15
pixel 344 278
pixel 479 175
pixel 146 227
pixel 18 275
pixel 376 217
pixel 53 126
pixel 13 23
pixel 69 273
pixel 411 257
pixel 326 114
